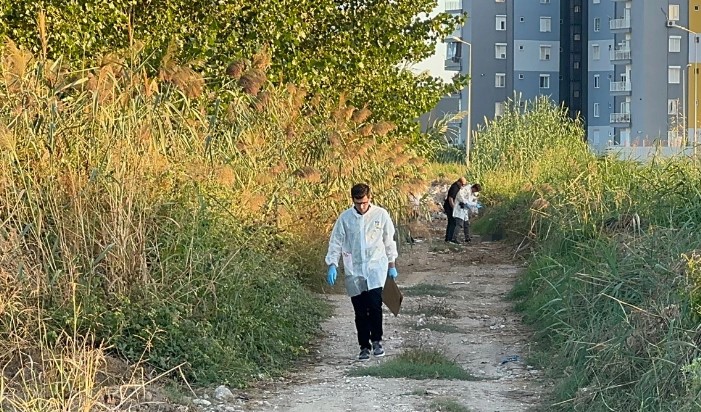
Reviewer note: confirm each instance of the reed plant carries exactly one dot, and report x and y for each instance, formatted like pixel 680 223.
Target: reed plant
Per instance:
pixel 519 156
pixel 612 283
pixel 164 221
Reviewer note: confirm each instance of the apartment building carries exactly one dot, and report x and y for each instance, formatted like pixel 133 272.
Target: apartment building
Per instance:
pixel 628 67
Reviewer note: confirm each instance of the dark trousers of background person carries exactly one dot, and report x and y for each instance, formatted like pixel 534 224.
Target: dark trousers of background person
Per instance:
pixel 450 230
pixel 465 226
pixel 368 316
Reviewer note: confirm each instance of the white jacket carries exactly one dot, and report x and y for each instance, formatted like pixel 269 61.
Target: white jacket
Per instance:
pixel 366 243
pixel 465 196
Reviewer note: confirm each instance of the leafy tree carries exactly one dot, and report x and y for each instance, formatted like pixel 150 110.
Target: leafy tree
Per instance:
pixel 355 47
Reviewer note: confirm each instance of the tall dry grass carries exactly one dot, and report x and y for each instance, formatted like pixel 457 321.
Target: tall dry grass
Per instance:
pixel 157 218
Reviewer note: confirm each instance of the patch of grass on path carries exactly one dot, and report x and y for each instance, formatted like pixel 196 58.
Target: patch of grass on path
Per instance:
pixel 448 405
pixel 433 309
pixel 435 327
pixel 427 289
pixel 416 364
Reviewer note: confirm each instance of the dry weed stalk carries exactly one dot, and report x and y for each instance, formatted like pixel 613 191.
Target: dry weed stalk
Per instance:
pixel 262 59
pixel 252 81
pixel 361 115
pixel 236 69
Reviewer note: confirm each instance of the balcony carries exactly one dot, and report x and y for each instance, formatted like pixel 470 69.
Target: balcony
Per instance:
pixel 620 87
pixel 620 24
pixel 621 55
pixel 453 64
pixel 619 118
pixel 451 5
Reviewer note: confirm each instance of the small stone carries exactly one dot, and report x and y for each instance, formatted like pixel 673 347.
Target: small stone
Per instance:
pixel 223 393
pixel 201 402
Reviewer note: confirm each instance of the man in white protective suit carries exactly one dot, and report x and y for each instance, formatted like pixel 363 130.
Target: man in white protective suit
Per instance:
pixel 465 204
pixel 363 236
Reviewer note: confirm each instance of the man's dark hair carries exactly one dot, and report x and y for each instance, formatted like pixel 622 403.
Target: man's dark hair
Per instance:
pixel 476 187
pixel 360 190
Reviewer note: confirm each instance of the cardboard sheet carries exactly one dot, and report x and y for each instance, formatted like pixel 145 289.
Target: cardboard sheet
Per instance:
pixel 391 296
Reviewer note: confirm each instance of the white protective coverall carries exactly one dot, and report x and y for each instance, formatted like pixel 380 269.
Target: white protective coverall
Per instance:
pixel 465 196
pixel 366 243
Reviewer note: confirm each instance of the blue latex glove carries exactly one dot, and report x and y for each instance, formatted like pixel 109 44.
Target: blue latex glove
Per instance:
pixel 479 205
pixel 331 275
pixel 392 272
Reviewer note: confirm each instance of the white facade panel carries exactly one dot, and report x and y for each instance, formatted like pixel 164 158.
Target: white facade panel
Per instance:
pixel 604 63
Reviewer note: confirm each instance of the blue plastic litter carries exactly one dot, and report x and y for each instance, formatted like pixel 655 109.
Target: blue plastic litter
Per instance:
pixel 511 358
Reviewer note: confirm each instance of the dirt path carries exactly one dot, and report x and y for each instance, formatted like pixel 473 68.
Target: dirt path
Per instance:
pixel 485 333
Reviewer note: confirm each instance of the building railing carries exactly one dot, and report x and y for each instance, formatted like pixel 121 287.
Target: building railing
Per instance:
pixel 617 24
pixel 453 5
pixel 620 54
pixel 620 87
pixel 453 64
pixel 619 118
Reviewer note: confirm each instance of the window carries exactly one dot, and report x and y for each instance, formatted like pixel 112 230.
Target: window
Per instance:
pixel 595 52
pixel 520 46
pixel 672 106
pixel 674 74
pixel 522 19
pixel 500 50
pixel 696 8
pixel 545 24
pixel 545 52
pixel 500 80
pixel 520 76
pixel 577 9
pixel 498 1
pixel 544 1
pixel 597 81
pixel 453 51
pixel 596 1
pixel 596 110
pixel 673 12
pixel 675 44
pixel 544 81
pixel 575 65
pixel 577 37
pixel 498 109
pixel 597 23
pixel 501 22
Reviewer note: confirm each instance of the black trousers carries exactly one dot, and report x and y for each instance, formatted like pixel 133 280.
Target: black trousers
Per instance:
pixel 465 225
pixel 450 230
pixel 368 316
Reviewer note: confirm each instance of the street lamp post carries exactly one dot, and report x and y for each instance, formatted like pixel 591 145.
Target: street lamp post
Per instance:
pixel 468 136
pixel 696 76
pixel 685 74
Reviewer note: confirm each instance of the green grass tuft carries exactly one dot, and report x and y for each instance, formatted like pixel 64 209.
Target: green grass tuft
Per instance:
pixel 436 327
pixel 433 309
pixel 416 364
pixel 426 289
pixel 448 405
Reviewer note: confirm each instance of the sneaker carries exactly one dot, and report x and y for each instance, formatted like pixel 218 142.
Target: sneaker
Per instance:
pixel 453 242
pixel 364 354
pixel 377 350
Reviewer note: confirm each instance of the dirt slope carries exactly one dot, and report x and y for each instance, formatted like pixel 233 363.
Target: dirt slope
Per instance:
pixel 490 341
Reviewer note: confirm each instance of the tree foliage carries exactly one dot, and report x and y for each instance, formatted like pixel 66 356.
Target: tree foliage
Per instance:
pixel 355 47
